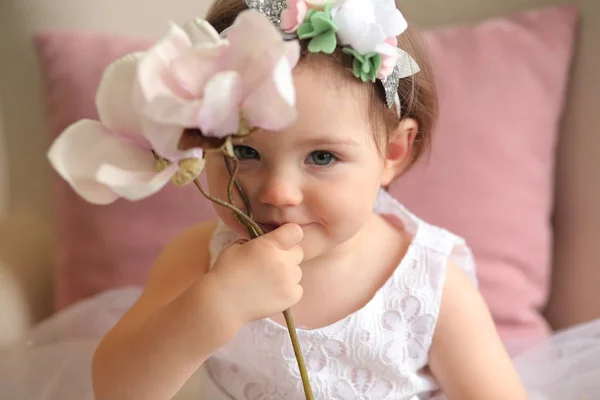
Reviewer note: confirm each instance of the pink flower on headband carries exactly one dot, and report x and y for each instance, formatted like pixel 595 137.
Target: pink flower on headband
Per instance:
pixel 196 79
pixel 389 57
pixel 293 16
pixel 110 158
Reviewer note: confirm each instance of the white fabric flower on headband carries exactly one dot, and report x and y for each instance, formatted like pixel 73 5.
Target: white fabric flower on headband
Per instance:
pixel 365 25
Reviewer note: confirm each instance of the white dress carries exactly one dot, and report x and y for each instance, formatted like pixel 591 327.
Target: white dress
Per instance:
pixel 378 352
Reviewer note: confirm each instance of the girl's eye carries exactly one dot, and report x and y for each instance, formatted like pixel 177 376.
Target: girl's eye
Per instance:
pixel 245 153
pixel 321 158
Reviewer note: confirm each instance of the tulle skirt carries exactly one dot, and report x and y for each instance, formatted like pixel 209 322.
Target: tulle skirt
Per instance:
pixel 53 362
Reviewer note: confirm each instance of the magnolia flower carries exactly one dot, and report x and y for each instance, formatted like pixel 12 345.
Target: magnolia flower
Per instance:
pixel 110 158
pixel 365 24
pixel 149 102
pixel 293 16
pixel 217 85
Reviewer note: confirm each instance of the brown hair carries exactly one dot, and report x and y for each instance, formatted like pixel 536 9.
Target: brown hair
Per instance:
pixel 418 97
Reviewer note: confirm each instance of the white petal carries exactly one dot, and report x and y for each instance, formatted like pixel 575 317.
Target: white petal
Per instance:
pixel 353 19
pixel 114 99
pixel 370 40
pixel 219 115
pixel 84 148
pixel 389 18
pixel 134 185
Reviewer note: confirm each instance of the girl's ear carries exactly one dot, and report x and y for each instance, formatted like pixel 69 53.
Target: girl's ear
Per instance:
pixel 399 148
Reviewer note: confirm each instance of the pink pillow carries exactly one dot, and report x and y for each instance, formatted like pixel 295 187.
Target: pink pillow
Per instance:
pixel 502 85
pixel 490 175
pixel 102 247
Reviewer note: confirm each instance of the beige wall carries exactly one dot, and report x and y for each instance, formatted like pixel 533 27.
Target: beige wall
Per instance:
pixel 3 171
pixel 25 142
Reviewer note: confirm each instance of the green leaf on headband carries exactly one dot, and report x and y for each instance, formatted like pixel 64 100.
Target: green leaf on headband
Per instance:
pixel 365 66
pixel 324 43
pixel 320 29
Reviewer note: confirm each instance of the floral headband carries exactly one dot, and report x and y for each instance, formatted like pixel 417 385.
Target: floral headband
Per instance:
pixel 366 30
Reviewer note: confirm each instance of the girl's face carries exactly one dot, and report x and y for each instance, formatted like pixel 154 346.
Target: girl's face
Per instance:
pixel 323 172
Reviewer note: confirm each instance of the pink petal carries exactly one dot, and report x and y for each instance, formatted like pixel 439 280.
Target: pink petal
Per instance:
pixel 256 46
pixel 195 67
pixel 85 148
pixel 271 105
pixel 219 115
pixel 292 52
pixel 114 97
pixel 392 41
pixel 154 77
pixel 167 109
pixel 387 66
pixel 387 49
pixel 293 16
pixel 289 20
pixel 389 56
pixel 384 72
pixel 165 139
pixel 134 185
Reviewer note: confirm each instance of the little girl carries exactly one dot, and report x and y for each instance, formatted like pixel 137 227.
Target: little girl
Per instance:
pixel 386 304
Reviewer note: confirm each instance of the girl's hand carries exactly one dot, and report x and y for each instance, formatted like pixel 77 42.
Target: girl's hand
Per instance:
pixel 262 277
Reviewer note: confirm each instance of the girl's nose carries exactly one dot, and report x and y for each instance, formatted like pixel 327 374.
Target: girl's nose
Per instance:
pixel 280 191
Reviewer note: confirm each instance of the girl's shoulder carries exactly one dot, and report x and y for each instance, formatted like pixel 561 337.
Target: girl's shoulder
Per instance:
pixel 191 246
pixel 184 259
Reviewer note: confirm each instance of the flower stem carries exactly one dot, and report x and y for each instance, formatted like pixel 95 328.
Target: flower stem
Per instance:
pixel 233 173
pixel 246 219
pixel 255 231
pixel 289 321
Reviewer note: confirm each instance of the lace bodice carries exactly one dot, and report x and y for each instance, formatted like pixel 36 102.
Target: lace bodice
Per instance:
pixel 376 353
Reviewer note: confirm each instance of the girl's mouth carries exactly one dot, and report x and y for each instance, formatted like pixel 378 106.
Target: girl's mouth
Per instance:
pixel 271 225
pixel 268 227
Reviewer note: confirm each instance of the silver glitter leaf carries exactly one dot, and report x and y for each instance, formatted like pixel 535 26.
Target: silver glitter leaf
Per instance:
pixel 270 8
pixel 405 67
